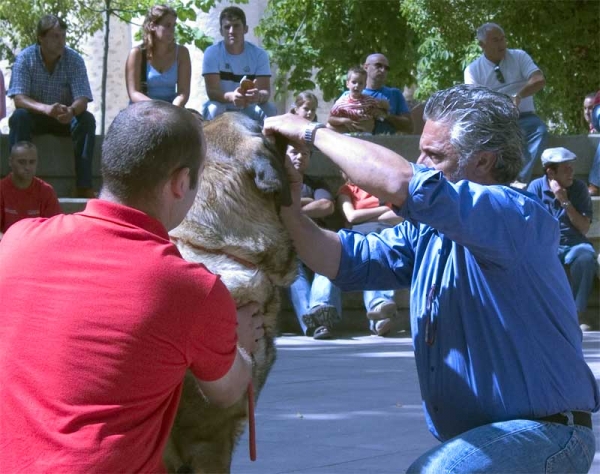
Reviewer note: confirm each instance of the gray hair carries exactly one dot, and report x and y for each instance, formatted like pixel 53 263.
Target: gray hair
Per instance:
pixel 480 120
pixel 484 29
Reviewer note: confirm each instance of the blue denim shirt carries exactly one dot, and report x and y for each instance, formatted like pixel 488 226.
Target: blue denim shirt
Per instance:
pixel 493 320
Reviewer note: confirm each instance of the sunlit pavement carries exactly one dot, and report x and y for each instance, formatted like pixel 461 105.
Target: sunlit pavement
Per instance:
pixel 350 405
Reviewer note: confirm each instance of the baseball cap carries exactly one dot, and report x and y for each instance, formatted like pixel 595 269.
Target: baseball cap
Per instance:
pixel 557 155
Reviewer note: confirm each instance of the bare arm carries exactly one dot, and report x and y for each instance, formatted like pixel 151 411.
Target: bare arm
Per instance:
pixel 133 72
pixel 402 123
pixel 346 125
pixel 184 75
pixel 214 91
pixel 357 216
pixel 536 83
pixel 317 208
pixel 229 389
pixel 375 169
pixel 580 222
pixel 52 110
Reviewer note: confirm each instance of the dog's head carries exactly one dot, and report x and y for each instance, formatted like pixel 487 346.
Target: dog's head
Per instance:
pixel 241 189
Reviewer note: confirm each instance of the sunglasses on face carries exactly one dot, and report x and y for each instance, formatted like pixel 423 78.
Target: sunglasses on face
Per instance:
pixel 499 74
pixel 381 66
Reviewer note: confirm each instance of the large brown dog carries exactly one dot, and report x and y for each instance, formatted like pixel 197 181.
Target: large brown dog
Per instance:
pixel 234 229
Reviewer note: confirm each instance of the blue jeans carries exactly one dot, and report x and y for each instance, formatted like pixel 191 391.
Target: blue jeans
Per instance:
pixel 212 109
pixel 305 295
pixel 535 135
pixel 581 260
pixel 594 177
pixel 512 446
pixel 23 124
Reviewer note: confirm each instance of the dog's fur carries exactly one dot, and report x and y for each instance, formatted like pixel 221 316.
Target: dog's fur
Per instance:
pixel 234 229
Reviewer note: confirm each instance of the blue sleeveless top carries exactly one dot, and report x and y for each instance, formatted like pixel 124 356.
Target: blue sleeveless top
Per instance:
pixel 162 86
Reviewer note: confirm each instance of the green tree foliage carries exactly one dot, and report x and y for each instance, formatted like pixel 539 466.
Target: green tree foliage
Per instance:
pixel 430 42
pixel 329 36
pixel 562 37
pixel 18 19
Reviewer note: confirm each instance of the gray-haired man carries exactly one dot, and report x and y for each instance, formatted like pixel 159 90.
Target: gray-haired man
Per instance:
pixel 513 72
pixel 503 379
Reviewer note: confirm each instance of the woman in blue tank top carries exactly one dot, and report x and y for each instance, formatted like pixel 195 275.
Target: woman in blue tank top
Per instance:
pixel 168 66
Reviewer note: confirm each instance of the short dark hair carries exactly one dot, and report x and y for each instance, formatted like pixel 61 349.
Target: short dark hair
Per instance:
pixel 356 70
pixel 145 144
pixel 47 22
pixel 232 14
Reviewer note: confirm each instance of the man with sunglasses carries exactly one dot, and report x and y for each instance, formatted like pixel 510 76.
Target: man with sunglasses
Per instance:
pixel 513 72
pixel 398 117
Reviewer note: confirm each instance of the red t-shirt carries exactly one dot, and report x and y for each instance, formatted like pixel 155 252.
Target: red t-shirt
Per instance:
pixel 38 200
pixel 100 318
pixel 360 198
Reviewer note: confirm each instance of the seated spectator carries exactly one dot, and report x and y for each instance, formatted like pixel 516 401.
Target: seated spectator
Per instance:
pixel 318 305
pixel 2 97
pixel 226 63
pixel 512 72
pixel 588 106
pixel 355 111
pixel 364 213
pixel 159 68
pixel 568 200
pixel 594 177
pixel 22 195
pixel 51 90
pixel 305 106
pixel 398 119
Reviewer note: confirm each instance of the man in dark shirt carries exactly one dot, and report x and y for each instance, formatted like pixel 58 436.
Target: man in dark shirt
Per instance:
pixel 568 200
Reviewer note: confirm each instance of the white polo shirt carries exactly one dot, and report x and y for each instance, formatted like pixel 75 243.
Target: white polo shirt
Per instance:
pixel 517 67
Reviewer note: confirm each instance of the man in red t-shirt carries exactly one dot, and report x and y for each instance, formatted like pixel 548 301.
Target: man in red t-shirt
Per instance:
pixel 23 195
pixel 101 317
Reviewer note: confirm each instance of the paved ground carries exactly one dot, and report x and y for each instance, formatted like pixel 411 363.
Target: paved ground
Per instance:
pixel 350 405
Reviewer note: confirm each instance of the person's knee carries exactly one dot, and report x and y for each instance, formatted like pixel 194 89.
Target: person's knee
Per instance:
pixel 19 116
pixel 269 109
pixel 212 109
pixel 86 121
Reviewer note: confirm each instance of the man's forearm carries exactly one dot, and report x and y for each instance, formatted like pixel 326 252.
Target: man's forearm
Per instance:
pixel 376 169
pixel 402 123
pixel 79 106
pixel 318 248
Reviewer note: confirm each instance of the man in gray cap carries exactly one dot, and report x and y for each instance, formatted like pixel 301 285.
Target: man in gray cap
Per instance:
pixel 568 200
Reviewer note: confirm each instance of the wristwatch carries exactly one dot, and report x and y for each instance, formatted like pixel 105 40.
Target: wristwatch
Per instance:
pixel 309 133
pixel 565 204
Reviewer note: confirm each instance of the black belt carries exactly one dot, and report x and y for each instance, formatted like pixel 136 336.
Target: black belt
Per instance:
pixel 581 418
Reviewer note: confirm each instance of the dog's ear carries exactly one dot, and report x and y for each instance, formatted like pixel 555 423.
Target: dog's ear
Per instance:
pixel 269 172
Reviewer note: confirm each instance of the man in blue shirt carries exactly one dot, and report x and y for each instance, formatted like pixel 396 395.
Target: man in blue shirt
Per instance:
pixel 397 119
pixel 51 90
pixel 497 345
pixel 568 200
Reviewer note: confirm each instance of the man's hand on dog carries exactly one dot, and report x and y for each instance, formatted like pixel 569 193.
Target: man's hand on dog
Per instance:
pixel 250 327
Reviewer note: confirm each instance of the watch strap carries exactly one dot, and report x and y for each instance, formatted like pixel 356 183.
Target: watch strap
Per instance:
pixel 309 133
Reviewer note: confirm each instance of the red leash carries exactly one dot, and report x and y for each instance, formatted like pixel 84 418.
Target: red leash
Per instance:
pixel 251 423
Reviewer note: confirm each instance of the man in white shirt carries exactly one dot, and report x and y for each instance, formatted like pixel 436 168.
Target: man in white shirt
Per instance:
pixel 227 62
pixel 513 72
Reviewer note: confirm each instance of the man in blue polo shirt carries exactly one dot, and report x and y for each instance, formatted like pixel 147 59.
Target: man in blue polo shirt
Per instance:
pixel 568 200
pixel 51 90
pixel 397 119
pixel 497 344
